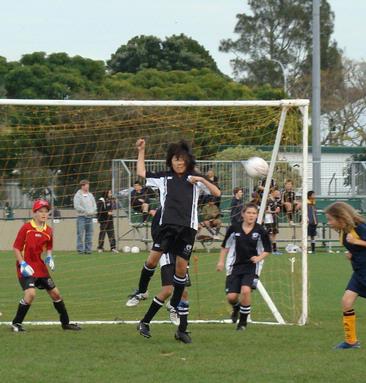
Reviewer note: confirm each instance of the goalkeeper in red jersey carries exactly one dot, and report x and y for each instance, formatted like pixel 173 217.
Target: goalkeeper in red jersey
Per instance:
pixel 35 238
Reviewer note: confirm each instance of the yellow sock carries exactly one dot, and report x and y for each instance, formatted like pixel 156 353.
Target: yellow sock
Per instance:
pixel 349 325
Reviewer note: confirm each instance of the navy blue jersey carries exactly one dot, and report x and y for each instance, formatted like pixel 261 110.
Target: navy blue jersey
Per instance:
pixel 358 252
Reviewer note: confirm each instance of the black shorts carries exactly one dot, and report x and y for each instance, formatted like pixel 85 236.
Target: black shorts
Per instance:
pixel 167 275
pixel 174 239
pixel 234 282
pixel 272 228
pixel 312 230
pixel 39 283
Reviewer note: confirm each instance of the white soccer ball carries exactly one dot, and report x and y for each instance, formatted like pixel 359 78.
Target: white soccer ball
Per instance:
pixel 256 167
pixel 126 249
pixel 135 249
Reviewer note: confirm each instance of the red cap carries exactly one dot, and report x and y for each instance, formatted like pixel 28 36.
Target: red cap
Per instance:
pixel 39 204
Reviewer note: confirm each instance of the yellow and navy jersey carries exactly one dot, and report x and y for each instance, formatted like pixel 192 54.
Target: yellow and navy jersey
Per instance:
pixel 358 252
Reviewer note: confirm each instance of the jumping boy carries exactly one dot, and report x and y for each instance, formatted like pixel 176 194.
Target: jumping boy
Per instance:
pixel 180 187
pixel 33 239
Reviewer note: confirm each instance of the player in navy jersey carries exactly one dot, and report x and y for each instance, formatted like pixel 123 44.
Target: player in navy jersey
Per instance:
pixel 352 228
pixel 179 187
pixel 245 245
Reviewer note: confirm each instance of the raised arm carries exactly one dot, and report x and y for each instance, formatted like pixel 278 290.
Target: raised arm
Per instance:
pixel 214 190
pixel 140 145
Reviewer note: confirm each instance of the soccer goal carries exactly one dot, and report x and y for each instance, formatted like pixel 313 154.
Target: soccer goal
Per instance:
pixel 48 146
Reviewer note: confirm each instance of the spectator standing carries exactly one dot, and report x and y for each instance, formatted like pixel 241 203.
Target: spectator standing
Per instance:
pixel 236 206
pixel 105 207
pixel 86 208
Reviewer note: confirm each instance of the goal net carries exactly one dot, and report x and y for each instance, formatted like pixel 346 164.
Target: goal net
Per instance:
pixel 48 146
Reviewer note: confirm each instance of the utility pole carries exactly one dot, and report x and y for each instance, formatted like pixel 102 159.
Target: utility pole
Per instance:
pixel 315 118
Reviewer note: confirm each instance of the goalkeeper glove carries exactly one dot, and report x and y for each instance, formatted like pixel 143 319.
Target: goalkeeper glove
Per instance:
pixel 50 262
pixel 26 270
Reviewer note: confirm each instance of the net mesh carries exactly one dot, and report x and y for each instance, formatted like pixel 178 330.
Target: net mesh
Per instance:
pixel 45 152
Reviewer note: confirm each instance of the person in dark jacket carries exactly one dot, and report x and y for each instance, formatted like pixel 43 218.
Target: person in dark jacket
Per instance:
pixel 312 219
pixel 105 206
pixel 236 205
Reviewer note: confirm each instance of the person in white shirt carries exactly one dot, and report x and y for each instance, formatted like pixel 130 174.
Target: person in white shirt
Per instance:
pixel 86 208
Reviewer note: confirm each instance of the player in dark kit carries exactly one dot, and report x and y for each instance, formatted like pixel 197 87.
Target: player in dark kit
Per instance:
pixel 33 239
pixel 180 187
pixel 167 269
pixel 245 245
pixel 352 229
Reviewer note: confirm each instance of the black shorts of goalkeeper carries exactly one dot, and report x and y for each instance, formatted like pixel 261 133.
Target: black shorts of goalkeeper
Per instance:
pixel 39 283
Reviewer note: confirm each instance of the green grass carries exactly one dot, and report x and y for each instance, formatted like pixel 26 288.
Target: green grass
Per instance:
pixel 116 353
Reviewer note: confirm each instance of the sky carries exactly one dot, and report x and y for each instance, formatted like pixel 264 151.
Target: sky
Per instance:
pixel 95 28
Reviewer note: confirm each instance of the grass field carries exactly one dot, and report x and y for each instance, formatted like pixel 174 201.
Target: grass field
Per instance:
pixel 94 288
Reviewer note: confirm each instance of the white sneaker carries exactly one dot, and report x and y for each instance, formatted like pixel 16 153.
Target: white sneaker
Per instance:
pixel 100 250
pixel 173 315
pixel 134 299
pixel 115 251
pixel 17 327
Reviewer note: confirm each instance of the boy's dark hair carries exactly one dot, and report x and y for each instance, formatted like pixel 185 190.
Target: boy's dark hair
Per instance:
pixel 236 190
pixel 249 205
pixel 181 149
pixel 310 193
pixel 137 182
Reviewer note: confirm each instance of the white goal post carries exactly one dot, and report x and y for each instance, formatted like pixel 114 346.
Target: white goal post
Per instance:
pixel 285 105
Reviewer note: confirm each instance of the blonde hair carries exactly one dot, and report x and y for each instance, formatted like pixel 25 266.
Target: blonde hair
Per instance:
pixel 345 214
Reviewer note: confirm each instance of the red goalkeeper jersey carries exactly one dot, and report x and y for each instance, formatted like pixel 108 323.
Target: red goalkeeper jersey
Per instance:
pixel 33 241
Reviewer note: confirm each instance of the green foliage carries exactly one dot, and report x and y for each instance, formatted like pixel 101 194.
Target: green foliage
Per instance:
pixel 280 30
pixel 241 153
pixel 56 76
pixel 177 52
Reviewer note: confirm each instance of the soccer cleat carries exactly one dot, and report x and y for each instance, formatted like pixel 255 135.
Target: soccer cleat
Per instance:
pixel 241 327
pixel 115 251
pixel 100 250
pixel 71 326
pixel 173 315
pixel 135 298
pixel 144 329
pixel 17 327
pixel 235 314
pixel 347 346
pixel 183 336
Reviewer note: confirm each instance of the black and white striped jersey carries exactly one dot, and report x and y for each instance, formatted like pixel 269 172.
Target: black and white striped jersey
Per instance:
pixel 243 246
pixel 178 198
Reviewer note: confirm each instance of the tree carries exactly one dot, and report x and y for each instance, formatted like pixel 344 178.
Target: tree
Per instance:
pixel 55 76
pixel 150 52
pixel 345 120
pixel 279 30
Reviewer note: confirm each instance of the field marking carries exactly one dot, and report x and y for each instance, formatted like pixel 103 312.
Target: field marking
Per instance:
pixel 114 322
